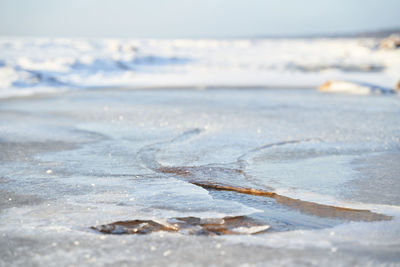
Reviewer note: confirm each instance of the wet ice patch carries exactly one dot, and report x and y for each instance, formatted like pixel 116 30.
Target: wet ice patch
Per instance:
pixel 323 174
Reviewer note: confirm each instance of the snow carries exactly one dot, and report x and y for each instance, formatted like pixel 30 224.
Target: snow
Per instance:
pixel 33 65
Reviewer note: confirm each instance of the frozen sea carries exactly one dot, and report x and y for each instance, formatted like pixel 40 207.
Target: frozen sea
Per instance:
pixel 98 131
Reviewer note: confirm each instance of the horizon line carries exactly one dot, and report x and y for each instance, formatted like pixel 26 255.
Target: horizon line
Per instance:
pixel 377 33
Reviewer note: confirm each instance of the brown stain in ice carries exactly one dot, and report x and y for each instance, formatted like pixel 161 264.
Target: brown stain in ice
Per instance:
pixel 312 208
pixel 207 175
pixel 308 207
pixel 187 225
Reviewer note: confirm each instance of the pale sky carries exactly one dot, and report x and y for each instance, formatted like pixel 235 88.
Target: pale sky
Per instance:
pixel 193 18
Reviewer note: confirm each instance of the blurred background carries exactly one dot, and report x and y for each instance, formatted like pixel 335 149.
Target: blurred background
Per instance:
pixel 51 45
pixel 195 19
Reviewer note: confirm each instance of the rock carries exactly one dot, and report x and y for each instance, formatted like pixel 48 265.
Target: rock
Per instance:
pixel 356 88
pixel 391 42
pixel 237 225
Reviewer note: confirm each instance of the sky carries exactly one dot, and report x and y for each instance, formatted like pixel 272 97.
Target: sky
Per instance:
pixel 194 18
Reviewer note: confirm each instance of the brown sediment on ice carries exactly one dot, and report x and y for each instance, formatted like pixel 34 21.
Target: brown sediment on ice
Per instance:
pixel 133 227
pixel 207 176
pixel 307 207
pixel 187 225
pixel 311 208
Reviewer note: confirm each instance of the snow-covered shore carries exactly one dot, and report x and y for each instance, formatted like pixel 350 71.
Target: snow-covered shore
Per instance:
pixel 37 65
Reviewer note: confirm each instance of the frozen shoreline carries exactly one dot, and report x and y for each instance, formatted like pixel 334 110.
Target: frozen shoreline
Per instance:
pixel 71 161
pixel 37 65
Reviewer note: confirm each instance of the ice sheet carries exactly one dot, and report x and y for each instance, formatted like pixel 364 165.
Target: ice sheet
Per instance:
pixel 75 160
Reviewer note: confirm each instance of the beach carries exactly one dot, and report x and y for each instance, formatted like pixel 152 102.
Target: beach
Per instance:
pixel 199 133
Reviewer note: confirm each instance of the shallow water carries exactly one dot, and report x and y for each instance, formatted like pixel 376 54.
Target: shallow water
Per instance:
pixel 72 161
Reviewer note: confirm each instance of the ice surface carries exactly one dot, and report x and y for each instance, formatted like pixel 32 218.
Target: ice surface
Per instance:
pixel 85 158
pixel 35 66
